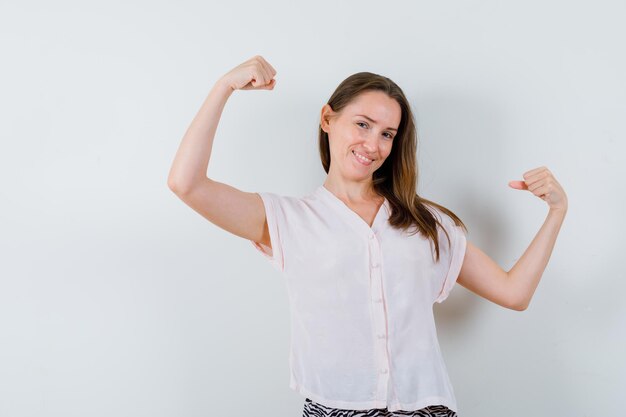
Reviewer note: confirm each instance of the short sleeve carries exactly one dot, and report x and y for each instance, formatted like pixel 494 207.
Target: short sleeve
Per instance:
pixel 276 223
pixel 455 256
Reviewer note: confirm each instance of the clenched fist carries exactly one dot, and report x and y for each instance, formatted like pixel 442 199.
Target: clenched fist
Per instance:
pixel 542 183
pixel 253 74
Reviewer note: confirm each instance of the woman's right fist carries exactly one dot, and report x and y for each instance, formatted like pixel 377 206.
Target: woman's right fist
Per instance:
pixel 254 74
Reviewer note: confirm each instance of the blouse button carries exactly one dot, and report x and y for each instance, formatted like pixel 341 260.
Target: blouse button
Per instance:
pixel 383 371
pixel 371 235
pixel 378 300
pixel 375 265
pixel 381 336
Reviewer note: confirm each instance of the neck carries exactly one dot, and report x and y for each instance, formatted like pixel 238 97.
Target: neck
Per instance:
pixel 352 191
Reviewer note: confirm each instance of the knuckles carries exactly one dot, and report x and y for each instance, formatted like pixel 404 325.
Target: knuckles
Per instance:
pixel 536 171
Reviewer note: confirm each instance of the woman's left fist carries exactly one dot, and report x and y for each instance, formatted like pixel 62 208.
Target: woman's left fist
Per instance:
pixel 542 183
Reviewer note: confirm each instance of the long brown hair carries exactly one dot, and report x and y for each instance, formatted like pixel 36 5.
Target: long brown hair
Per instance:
pixel 397 178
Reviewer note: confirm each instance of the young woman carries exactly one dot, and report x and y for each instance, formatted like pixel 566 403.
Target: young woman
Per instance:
pixel 365 258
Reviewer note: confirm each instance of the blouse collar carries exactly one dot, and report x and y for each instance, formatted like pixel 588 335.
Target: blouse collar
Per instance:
pixel 384 211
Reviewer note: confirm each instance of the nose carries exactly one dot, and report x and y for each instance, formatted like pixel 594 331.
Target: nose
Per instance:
pixel 371 142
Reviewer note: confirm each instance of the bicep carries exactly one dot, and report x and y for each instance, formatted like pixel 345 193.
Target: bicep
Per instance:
pixel 238 212
pixel 484 277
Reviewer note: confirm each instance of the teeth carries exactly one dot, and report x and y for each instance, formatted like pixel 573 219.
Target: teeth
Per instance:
pixel 361 157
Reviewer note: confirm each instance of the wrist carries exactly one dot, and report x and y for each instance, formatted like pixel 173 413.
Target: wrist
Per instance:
pixel 561 211
pixel 223 86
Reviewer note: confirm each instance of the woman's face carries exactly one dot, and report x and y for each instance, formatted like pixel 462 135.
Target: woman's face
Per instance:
pixel 364 128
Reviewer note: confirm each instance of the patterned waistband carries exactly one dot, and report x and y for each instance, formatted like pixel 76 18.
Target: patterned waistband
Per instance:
pixel 313 409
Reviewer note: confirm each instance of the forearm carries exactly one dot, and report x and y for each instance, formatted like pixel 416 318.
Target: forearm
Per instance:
pixel 193 155
pixel 527 272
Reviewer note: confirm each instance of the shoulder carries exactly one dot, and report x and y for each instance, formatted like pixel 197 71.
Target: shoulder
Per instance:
pixel 439 215
pixel 290 204
pixel 446 225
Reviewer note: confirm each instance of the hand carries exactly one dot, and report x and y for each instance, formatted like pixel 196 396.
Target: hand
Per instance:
pixel 542 183
pixel 254 74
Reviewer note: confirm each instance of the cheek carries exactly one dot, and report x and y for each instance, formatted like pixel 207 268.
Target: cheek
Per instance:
pixel 387 151
pixel 353 132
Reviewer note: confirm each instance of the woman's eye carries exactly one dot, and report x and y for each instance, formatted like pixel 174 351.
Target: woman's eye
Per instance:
pixel 389 135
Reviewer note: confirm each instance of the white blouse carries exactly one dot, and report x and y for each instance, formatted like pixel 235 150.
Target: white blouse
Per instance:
pixel 362 328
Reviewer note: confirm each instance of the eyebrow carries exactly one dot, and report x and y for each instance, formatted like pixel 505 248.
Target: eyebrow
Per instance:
pixel 374 121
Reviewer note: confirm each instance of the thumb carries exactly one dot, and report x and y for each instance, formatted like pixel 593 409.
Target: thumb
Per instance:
pixel 518 185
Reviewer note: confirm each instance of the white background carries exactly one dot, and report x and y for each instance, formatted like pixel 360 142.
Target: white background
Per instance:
pixel 116 299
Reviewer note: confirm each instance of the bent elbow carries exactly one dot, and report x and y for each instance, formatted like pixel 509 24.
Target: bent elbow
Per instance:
pixel 177 187
pixel 171 185
pixel 517 298
pixel 515 302
pixel 519 306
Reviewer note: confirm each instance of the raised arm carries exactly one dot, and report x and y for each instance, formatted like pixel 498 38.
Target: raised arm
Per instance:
pixel 192 158
pixel 238 212
pixel 515 288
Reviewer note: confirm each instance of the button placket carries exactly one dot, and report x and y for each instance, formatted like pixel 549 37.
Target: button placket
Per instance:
pixel 380 320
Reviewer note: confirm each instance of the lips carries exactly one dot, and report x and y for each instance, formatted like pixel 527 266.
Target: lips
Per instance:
pixel 361 160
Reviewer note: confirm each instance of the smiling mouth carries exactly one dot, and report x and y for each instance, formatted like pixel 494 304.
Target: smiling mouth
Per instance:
pixel 361 159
